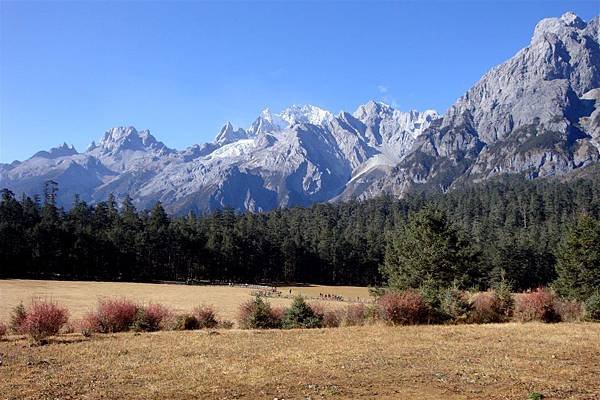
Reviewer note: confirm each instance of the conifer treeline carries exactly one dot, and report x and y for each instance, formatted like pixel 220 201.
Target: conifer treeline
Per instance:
pixel 513 225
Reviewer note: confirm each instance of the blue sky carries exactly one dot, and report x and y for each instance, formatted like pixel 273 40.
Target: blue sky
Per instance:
pixel 71 70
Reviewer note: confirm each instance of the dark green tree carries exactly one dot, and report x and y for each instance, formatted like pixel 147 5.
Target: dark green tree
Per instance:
pixel 429 248
pixel 578 257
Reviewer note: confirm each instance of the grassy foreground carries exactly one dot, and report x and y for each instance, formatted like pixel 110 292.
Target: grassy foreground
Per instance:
pixel 500 361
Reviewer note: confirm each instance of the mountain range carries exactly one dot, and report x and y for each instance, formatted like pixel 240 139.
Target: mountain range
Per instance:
pixel 536 114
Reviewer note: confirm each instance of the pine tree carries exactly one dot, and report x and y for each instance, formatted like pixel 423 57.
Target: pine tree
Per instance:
pixel 578 256
pixel 428 248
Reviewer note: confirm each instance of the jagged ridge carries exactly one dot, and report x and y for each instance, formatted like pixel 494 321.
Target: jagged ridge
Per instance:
pixel 537 114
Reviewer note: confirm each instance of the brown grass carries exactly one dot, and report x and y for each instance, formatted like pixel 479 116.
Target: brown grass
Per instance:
pixel 81 297
pixel 502 361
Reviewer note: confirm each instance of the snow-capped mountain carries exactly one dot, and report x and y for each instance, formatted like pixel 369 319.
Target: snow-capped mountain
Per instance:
pixel 538 113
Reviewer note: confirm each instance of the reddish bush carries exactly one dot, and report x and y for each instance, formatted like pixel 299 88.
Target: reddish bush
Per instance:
pixel 2 330
pixel 486 308
pixel 569 310
pixel 405 308
pixel 258 314
pixel 150 318
pixel 206 317
pixel 333 318
pixel 536 306
pixel 44 319
pixel 116 315
pixel 356 314
pixel 88 324
pixel 329 318
pixel 277 314
pixel 318 310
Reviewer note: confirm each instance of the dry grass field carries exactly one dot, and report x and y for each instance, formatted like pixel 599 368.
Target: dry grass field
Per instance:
pixel 502 361
pixel 81 297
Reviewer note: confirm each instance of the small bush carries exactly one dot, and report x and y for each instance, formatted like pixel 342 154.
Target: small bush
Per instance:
pixel 44 319
pixel 206 317
pixel 487 308
pixel 150 318
pixel 301 315
pixel 277 314
pixel 187 322
pixel 116 315
pixel 592 307
pixel 355 315
pixel 17 319
pixel 536 306
pixel 568 310
pixel 332 318
pixel 68 328
pixel 257 314
pixel 506 301
pixel 454 305
pixel 404 308
pixel 225 324
pixel 3 330
pixel 89 324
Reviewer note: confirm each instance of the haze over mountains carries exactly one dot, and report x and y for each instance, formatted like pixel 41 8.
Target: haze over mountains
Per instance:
pixel 537 113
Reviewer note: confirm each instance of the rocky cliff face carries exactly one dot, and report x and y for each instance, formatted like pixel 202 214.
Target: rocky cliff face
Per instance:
pixel 533 114
pixel 538 113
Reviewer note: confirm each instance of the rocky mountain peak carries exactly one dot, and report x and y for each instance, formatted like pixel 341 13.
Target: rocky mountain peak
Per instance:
pixel 126 138
pixel 305 114
pixel 265 123
pixel 560 26
pixel 64 150
pixel 228 134
pixel 537 114
pixel 371 109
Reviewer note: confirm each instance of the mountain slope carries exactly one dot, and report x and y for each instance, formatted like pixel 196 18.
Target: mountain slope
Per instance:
pixel 533 114
pixel 537 114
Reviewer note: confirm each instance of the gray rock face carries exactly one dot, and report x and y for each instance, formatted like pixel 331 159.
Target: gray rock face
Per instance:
pixel 538 113
pixel 533 114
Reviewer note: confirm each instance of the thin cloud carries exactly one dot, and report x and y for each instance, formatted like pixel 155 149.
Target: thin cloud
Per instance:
pixel 382 89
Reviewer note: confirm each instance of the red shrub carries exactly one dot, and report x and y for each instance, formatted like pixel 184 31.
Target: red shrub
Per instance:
pixel 486 308
pixel 318 309
pixel 2 330
pixel 569 310
pixel 277 313
pixel 405 308
pixel 150 318
pixel 115 315
pixel 536 306
pixel 206 317
pixel 89 324
pixel 44 319
pixel 157 315
pixel 333 318
pixel 258 314
pixel 245 312
pixel 330 318
pixel 356 314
